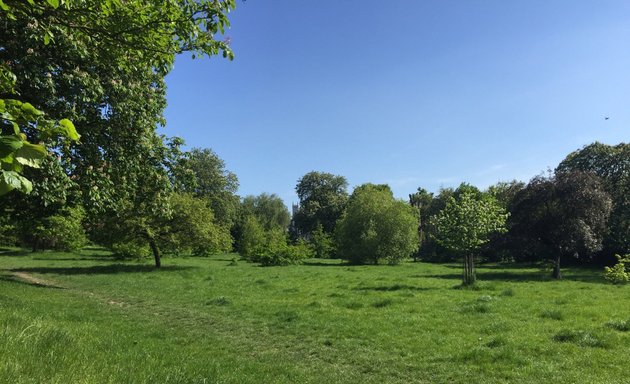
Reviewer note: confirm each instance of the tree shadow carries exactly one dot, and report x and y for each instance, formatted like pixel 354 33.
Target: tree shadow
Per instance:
pixel 392 288
pixel 17 280
pixel 103 269
pixel 522 276
pixel 339 263
pixel 14 252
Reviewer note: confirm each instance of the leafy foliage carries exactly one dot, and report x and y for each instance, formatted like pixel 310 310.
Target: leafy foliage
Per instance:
pixel 62 231
pixel 377 227
pixel 566 214
pixel 323 198
pixel 466 223
pixel 612 165
pixel 192 228
pixel 618 274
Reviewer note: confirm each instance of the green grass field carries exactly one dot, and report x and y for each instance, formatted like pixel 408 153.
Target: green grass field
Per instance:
pixel 88 318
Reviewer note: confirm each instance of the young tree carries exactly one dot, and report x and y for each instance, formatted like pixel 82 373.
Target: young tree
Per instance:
pixel 377 227
pixel 465 224
pixel 323 197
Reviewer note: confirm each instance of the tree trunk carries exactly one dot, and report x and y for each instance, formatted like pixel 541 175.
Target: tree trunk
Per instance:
pixel 469 270
pixel 156 252
pixel 556 268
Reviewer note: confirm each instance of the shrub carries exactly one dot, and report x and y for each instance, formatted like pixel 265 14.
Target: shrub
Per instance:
pixel 131 250
pixel 62 231
pixel 270 247
pixel 322 244
pixel 618 274
pixel 193 228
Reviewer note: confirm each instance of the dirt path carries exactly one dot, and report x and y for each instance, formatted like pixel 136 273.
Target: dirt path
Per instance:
pixel 35 280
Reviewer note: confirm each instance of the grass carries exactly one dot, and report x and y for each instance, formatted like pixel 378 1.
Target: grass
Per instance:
pixel 214 320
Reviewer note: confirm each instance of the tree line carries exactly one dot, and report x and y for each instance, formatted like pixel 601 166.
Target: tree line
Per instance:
pixel 82 93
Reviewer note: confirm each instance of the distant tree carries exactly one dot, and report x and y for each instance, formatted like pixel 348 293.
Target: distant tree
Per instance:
pixel 505 191
pixel 612 165
pixel 322 243
pixel 377 227
pixel 269 209
pixel 465 224
pixel 323 198
pixel 210 181
pixel 565 213
pixel 421 200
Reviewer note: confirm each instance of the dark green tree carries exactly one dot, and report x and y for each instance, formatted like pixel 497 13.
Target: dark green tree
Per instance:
pixel 565 214
pixel 323 197
pixel 612 164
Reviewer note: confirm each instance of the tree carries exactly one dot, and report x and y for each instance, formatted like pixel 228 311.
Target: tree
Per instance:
pixel 612 165
pixel 465 224
pixel 323 197
pixel 191 228
pixel 377 227
pixel 565 214
pixel 212 182
pixel 102 64
pixel 269 209
pixel 421 200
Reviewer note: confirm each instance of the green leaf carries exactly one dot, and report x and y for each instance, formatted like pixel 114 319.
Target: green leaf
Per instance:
pixel 28 108
pixel 4 6
pixel 68 129
pixel 10 180
pixel 46 39
pixel 9 144
pixel 31 155
pixel 53 3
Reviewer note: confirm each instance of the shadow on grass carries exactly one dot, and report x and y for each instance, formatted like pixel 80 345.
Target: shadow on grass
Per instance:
pixel 391 288
pixel 102 269
pixel 538 276
pixel 15 252
pixel 16 280
pixel 333 263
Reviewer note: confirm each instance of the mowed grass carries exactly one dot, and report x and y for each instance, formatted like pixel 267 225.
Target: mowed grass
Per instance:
pixel 92 319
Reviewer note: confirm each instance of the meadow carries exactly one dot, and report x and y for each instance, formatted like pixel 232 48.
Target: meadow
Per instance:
pixel 89 318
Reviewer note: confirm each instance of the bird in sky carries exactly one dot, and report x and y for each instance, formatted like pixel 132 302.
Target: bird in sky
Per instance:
pixel 606 118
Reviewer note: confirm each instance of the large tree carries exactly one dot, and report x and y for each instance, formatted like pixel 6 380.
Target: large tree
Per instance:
pixel 377 227
pixel 466 223
pixel 323 197
pixel 612 165
pixel 102 64
pixel 564 214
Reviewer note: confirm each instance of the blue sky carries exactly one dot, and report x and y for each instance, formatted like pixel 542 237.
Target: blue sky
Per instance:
pixel 406 92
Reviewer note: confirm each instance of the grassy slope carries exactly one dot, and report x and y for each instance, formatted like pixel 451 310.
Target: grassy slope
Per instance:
pixel 204 320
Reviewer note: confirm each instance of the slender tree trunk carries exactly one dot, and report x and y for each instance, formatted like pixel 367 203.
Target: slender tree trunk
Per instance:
pixel 156 252
pixel 556 268
pixel 469 270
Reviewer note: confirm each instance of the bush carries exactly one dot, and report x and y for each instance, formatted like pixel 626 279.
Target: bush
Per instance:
pixel 271 247
pixel 131 250
pixel 322 244
pixel 193 228
pixel 618 274
pixel 63 231
pixel 377 227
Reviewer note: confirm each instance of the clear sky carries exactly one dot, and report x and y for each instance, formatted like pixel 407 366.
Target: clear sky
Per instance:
pixel 406 92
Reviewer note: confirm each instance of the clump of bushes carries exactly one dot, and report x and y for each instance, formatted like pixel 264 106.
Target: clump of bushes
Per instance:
pixel 618 273
pixel 62 231
pixel 270 247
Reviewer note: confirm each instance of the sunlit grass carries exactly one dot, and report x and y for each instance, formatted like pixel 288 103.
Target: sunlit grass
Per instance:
pixel 215 320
